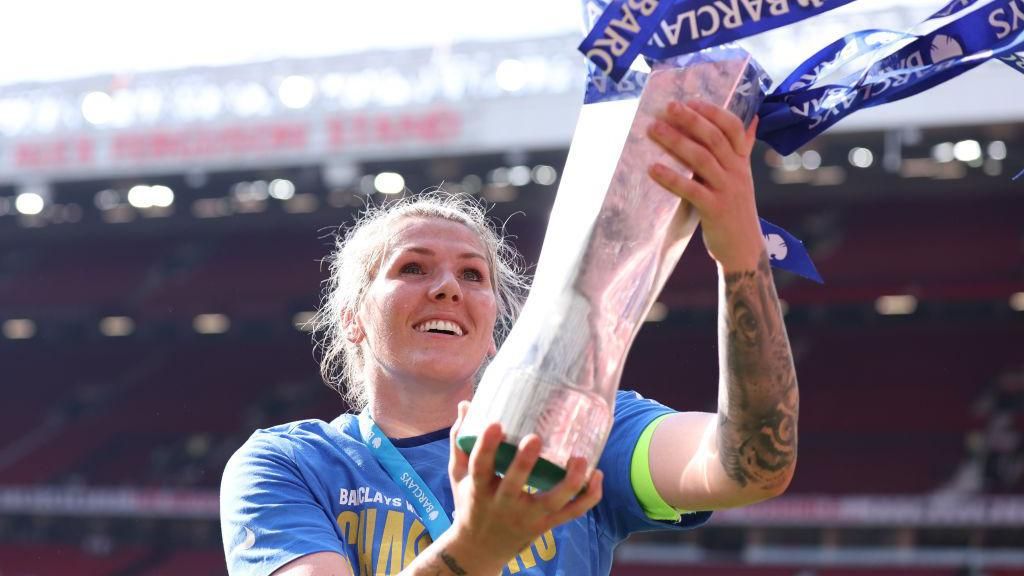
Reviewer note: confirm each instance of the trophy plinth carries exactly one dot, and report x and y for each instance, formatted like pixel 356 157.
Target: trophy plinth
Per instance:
pixel 613 238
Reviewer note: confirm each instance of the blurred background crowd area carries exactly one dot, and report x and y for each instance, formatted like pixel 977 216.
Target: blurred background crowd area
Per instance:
pixel 161 239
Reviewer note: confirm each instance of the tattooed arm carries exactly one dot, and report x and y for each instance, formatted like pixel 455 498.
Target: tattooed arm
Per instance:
pixel 758 398
pixel 747 451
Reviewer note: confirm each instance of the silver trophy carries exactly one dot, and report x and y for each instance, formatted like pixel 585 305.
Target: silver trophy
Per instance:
pixel 613 238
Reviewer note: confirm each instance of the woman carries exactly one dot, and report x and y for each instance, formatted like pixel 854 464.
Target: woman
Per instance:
pixel 415 295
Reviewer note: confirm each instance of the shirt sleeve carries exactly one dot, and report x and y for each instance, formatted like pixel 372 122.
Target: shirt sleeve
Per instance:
pixel 620 513
pixel 269 515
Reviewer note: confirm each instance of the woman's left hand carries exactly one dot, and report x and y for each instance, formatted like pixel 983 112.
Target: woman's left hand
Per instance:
pixel 494 516
pixel 713 143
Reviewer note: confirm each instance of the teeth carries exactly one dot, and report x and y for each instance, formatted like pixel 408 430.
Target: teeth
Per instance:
pixel 439 325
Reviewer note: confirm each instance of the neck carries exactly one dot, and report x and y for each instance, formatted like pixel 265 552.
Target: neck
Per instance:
pixel 403 412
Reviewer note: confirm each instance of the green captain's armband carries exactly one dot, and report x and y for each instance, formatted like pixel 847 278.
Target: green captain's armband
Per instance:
pixel 643 485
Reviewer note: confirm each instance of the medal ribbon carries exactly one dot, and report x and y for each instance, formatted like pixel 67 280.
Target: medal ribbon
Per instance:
pixel 416 490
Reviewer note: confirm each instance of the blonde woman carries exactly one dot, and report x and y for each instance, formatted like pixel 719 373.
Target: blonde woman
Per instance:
pixel 419 294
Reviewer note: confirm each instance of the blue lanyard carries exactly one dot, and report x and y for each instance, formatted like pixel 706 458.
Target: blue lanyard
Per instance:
pixel 416 490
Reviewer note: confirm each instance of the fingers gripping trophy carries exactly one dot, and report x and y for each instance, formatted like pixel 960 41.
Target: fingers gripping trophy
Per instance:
pixel 613 239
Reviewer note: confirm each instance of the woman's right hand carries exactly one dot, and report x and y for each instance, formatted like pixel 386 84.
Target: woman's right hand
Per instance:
pixel 495 518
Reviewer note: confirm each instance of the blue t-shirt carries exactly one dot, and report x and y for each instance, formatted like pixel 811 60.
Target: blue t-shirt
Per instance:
pixel 310 486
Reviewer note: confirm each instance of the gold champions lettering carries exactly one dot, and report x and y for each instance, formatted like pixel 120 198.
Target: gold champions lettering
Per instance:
pixel 385 543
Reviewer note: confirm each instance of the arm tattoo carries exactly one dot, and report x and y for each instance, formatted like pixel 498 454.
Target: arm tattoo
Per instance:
pixel 758 399
pixel 451 563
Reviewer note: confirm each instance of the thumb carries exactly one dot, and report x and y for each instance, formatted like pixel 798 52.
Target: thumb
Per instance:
pixel 750 138
pixel 458 461
pixel 460 418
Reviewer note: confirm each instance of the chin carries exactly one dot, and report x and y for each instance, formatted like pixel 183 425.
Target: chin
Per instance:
pixel 453 376
pixel 449 373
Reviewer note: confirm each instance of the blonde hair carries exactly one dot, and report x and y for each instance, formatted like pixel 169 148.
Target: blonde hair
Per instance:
pixel 357 256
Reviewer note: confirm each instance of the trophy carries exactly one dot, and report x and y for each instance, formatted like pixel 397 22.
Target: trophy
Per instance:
pixel 613 238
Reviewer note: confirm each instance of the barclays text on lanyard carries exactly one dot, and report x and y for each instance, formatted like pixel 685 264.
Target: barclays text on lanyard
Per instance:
pixel 416 490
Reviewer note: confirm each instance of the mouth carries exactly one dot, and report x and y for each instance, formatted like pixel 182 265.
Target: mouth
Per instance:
pixel 439 327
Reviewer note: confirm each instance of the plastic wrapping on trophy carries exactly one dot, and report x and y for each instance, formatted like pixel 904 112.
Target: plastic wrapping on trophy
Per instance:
pixel 613 238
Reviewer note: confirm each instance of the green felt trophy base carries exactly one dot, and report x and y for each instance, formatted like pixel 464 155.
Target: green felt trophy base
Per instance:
pixel 544 476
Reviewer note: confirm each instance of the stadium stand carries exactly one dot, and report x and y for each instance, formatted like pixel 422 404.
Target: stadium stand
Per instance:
pixel 889 403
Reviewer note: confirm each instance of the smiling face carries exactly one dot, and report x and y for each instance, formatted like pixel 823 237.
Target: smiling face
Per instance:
pixel 428 315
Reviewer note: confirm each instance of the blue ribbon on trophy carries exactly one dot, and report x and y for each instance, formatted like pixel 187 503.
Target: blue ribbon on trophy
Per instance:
pixel 602 88
pixel 899 64
pixel 661 29
pixel 799 110
pixel 787 252
pixel 860 70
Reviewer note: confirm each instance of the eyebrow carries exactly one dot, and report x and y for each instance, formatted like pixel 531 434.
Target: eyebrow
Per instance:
pixel 429 252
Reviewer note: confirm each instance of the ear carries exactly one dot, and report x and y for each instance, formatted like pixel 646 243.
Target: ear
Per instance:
pixel 353 331
pixel 492 348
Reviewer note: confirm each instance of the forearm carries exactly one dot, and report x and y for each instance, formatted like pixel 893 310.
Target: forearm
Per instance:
pixel 449 556
pixel 758 399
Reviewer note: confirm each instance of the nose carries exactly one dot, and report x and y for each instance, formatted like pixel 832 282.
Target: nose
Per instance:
pixel 446 288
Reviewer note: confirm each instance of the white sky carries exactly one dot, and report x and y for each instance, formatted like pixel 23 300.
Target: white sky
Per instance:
pixel 55 39
pixel 52 39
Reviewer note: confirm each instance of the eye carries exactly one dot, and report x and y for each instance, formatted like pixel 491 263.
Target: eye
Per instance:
pixel 473 275
pixel 411 268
